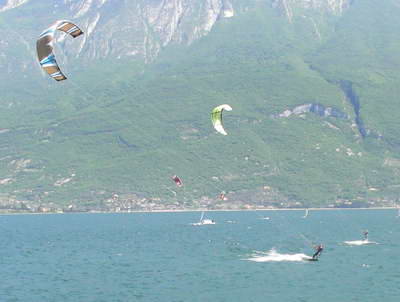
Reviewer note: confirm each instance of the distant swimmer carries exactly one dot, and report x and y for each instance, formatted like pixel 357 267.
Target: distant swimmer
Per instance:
pixel 365 233
pixel 318 250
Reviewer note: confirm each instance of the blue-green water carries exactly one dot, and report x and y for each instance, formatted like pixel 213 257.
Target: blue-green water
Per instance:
pixel 161 257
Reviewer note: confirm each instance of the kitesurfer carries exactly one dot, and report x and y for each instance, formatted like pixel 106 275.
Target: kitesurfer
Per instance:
pixel 318 250
pixel 365 233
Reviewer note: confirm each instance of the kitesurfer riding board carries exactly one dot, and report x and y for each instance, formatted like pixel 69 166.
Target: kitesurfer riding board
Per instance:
pixel 365 233
pixel 318 250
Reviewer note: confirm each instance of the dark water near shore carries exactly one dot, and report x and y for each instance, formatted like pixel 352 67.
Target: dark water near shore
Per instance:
pixel 161 257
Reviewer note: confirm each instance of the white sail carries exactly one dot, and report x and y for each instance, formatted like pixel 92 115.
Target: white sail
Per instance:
pixel 204 221
pixel 202 216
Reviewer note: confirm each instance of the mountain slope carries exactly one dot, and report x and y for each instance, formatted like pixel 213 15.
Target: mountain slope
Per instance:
pixel 303 78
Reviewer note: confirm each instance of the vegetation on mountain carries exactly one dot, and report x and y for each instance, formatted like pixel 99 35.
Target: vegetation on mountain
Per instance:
pixel 125 127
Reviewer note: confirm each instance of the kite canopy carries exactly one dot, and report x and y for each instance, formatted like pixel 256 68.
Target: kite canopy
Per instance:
pixel 44 46
pixel 216 117
pixel 177 181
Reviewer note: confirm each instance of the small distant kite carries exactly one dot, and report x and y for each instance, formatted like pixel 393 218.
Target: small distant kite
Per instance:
pixel 177 181
pixel 216 117
pixel 44 47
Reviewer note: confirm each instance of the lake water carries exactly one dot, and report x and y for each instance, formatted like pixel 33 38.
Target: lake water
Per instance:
pixel 162 257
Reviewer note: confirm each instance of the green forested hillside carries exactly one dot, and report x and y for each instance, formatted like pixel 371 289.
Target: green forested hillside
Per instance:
pixel 122 126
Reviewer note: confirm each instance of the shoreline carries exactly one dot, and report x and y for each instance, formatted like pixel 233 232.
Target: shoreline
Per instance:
pixel 200 210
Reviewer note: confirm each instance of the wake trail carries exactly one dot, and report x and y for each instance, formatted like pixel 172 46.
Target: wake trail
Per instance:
pixel 274 256
pixel 359 242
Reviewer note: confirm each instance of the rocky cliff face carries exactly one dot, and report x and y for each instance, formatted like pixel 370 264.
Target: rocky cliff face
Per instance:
pixel 129 28
pixel 290 7
pixel 10 4
pixel 141 29
pixel 311 10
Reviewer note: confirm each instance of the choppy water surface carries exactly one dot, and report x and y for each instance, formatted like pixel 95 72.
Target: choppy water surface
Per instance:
pixel 162 257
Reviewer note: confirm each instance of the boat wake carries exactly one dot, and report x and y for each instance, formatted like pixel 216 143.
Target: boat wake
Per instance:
pixel 203 221
pixel 360 242
pixel 274 256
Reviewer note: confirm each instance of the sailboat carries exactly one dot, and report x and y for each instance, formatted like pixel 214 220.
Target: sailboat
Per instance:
pixel 204 221
pixel 305 214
